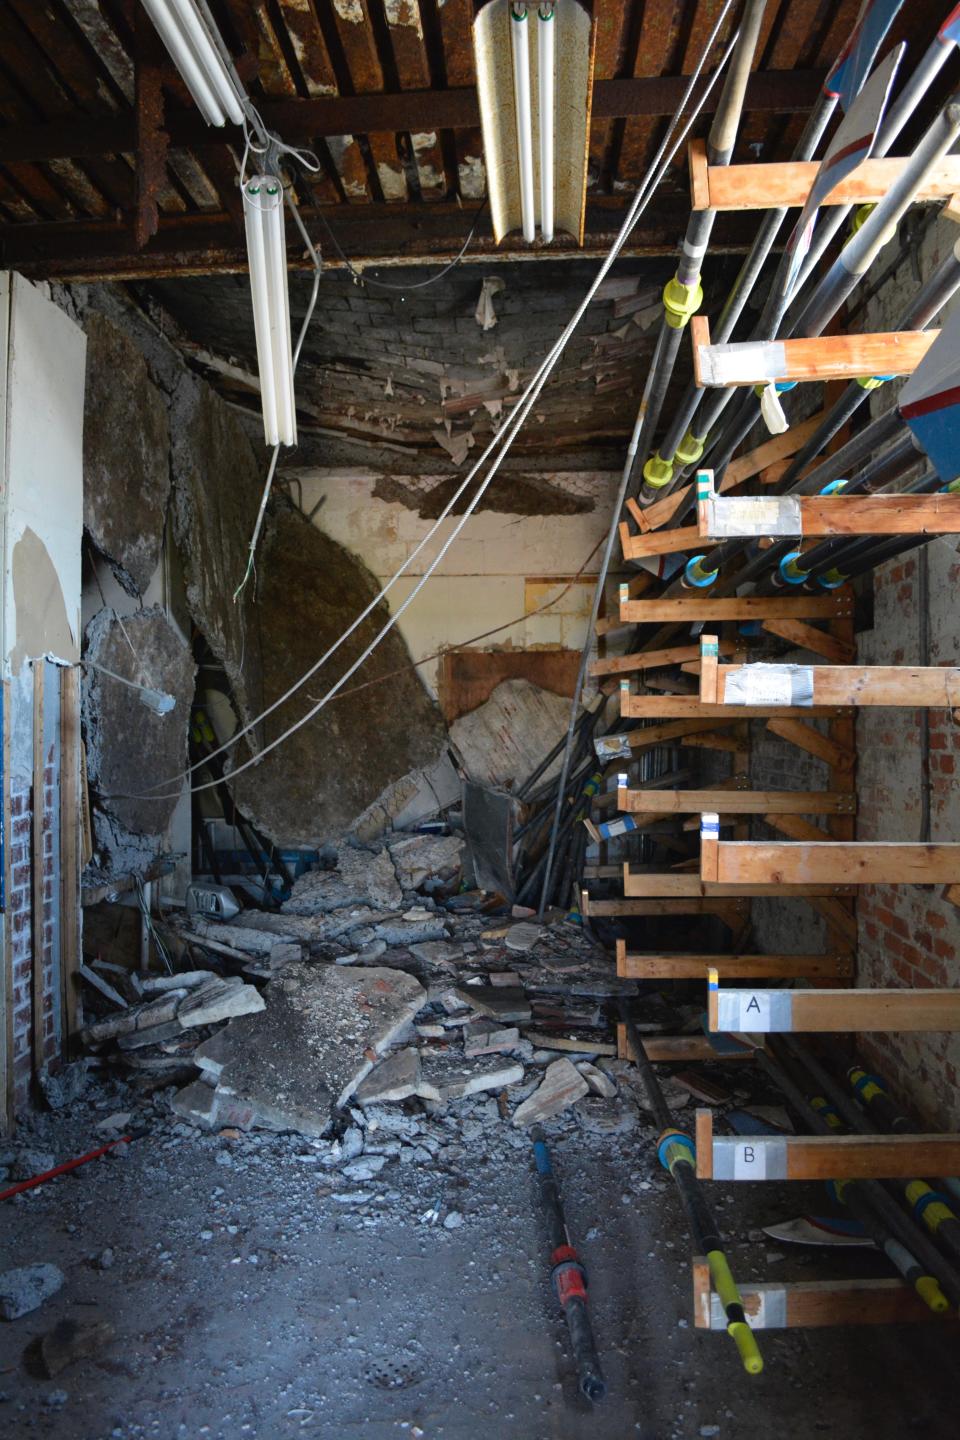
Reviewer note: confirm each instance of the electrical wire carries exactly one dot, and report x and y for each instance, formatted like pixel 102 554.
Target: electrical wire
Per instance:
pixel 504 438
pixel 362 278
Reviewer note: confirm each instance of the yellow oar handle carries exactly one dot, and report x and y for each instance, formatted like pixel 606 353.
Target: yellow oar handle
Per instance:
pixel 745 1341
pixel 737 1327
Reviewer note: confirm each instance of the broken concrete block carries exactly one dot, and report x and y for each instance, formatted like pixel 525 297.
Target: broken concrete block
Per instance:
pixel 438 952
pixel 26 1288
pixel 317 1039
pixel 160 1011
pixel 72 1340
pixel 395 1078
pixel 365 1167
pixel 523 936
pixel 361 877
pixel 66 1086
pixel 186 979
pixel 213 1054
pixel 286 953
pixel 600 1083
pixel 221 1002
pixel 448 1077
pixel 502 1002
pixel 419 858
pixel 196 1102
pixel 482 1037
pixel 152 1035
pixel 562 1086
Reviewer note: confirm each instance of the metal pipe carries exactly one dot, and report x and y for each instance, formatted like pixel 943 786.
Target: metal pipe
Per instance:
pixel 922 1201
pixel 676 1153
pixel 934 1278
pixel 683 295
pixel 680 431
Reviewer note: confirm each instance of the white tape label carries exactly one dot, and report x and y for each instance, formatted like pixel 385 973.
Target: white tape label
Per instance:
pixel 769 685
pixel 755 1011
pixel 753 515
pixel 750 1160
pixel 748 362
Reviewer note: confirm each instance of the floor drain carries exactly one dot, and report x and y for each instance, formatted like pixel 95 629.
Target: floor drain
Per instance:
pixel 392 1375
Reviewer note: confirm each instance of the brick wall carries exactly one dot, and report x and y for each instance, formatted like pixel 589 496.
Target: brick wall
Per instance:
pixel 26 930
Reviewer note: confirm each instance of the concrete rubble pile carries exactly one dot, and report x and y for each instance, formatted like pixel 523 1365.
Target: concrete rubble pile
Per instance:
pixel 386 986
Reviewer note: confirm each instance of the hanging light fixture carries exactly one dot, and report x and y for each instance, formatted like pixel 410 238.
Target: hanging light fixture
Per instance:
pixel 267 254
pixel 187 29
pixel 535 113
pixel 546 86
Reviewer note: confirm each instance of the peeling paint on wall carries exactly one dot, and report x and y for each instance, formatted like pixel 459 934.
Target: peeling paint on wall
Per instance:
pixel 42 624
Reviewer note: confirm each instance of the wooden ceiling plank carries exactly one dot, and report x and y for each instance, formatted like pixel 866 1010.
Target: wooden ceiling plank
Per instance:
pixel 405 26
pixel 456 30
pixel 355 31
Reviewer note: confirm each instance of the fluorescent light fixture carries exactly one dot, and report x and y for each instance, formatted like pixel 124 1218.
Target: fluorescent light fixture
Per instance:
pixel 267 253
pixel 535 112
pixel 520 49
pixel 545 76
pixel 187 30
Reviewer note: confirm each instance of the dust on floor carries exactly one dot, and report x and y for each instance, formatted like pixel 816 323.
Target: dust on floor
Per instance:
pixel 253 1295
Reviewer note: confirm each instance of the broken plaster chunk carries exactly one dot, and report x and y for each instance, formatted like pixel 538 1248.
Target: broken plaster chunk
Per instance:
pixel 197 1102
pixel 26 1288
pixel 562 1086
pixel 418 858
pixel 186 979
pixel 523 936
pixel 599 1082
pixel 449 1077
pixel 207 1006
pixel 395 1078
pixel 483 1037
pixel 504 1002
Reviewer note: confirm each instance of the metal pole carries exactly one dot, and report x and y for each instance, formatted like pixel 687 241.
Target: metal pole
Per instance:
pixel 680 442
pixel 917 1258
pixel 676 1153
pixel 683 295
pixel 568 1275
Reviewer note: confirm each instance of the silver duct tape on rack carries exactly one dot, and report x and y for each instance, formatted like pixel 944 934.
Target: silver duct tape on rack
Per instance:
pixel 758 1011
pixel 745 362
pixel 749 1157
pixel 751 516
pixel 769 685
pixel 612 747
pixel 768 1313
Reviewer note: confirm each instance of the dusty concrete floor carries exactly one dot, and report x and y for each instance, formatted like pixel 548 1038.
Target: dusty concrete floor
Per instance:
pixel 248 1301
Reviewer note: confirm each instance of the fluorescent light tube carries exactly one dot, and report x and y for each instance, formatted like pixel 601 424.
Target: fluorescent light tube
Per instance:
pixel 520 45
pixel 535 114
pixel 545 83
pixel 186 32
pixel 267 254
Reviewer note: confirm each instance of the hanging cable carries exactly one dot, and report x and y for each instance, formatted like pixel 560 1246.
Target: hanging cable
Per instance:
pixel 657 169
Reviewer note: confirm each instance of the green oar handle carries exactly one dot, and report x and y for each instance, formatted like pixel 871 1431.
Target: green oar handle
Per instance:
pixel 737 1327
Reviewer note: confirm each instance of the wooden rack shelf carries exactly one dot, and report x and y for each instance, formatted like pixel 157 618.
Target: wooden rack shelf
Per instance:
pixel 874 862
pixel 780 1012
pixel 735 802
pixel 812 686
pixel 821 1157
pixel 787 183
pixel 823 357
pixel 655 707
pixel 661 966
pixel 750 517
pixel 699 609
pixel 638 883
pixel 811 1304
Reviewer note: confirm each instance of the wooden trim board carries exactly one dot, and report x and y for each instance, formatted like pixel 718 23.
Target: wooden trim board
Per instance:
pixel 746 517
pixel 734 802
pixel 786 183
pixel 661 966
pixel 803 1011
pixel 811 1304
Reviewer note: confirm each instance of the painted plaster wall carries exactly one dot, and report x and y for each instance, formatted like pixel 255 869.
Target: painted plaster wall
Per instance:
pixel 500 569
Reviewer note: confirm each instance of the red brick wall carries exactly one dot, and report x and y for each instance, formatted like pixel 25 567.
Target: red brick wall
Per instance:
pixel 25 930
pixel 909 935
